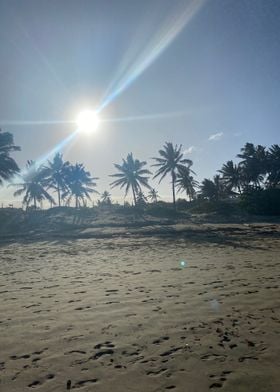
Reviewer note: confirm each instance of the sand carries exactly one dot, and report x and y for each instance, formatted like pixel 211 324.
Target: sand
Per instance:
pixel 141 313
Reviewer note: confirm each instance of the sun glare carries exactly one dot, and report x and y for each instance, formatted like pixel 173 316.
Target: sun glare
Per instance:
pixel 87 121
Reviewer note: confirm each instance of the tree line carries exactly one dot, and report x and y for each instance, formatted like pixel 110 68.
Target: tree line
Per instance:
pixel 59 182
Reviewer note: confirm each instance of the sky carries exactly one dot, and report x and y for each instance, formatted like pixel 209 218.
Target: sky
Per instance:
pixel 201 73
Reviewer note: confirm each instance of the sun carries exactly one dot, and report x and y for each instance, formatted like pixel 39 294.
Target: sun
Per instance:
pixel 87 121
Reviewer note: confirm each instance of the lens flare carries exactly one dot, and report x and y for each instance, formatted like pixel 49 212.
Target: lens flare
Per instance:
pixel 161 39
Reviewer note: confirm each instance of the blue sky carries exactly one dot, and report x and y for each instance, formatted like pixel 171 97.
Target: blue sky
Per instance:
pixel 217 75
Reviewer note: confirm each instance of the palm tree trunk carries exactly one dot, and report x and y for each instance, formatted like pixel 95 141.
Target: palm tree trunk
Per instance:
pixel 58 195
pixel 173 189
pixel 35 205
pixel 134 196
pixel 76 197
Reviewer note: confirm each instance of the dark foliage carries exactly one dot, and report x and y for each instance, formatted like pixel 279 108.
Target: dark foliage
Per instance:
pixel 131 175
pixel 261 201
pixel 8 166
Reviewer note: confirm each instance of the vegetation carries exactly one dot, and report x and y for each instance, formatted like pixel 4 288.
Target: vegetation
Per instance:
pixel 79 184
pixel 8 166
pixel 68 181
pixel 131 176
pixel 105 198
pixel 273 166
pixel 153 195
pixel 170 162
pixel 33 185
pixel 215 189
pixel 261 201
pixel 185 182
pixel 253 183
pixel 56 175
pixel 258 169
pixel 232 176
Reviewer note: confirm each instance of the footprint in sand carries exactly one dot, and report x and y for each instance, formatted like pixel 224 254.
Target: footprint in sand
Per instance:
pixel 82 383
pixel 37 383
pixel 156 372
pixel 216 385
pixel 161 339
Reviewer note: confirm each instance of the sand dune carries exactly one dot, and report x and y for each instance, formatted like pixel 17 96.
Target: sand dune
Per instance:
pixel 140 313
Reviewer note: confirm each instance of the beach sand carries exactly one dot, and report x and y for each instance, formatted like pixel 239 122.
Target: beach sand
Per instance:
pixel 140 313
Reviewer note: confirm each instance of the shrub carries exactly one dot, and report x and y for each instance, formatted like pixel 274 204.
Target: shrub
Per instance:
pixel 261 201
pixel 162 210
pixel 222 207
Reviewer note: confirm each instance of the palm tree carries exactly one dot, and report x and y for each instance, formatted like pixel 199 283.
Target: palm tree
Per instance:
pixel 33 185
pixel 56 173
pixel 273 158
pixel 106 198
pixel 141 199
pixel 153 195
pixel 79 184
pixel 131 176
pixel 8 166
pixel 170 161
pixel 253 164
pixel 186 182
pixel 213 190
pixel 232 175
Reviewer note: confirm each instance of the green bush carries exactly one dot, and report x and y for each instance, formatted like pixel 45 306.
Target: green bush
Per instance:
pixel 261 201
pixel 182 204
pixel 222 207
pixel 162 210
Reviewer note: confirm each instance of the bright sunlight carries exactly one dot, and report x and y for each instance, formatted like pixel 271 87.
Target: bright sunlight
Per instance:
pixel 87 121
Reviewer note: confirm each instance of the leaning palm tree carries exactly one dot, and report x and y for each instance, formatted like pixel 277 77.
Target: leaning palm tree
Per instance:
pixel 153 195
pixel 170 161
pixel 8 166
pixel 80 184
pixel 232 175
pixel 56 172
pixel 185 182
pixel 33 185
pixel 131 176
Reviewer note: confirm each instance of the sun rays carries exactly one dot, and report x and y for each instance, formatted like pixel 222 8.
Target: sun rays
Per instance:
pixel 160 41
pixel 135 61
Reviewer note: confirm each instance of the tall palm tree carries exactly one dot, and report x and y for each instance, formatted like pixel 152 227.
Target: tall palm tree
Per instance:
pixel 232 175
pixel 186 182
pixel 80 184
pixel 153 195
pixel 8 166
pixel 170 161
pixel 33 185
pixel 56 172
pixel 131 176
